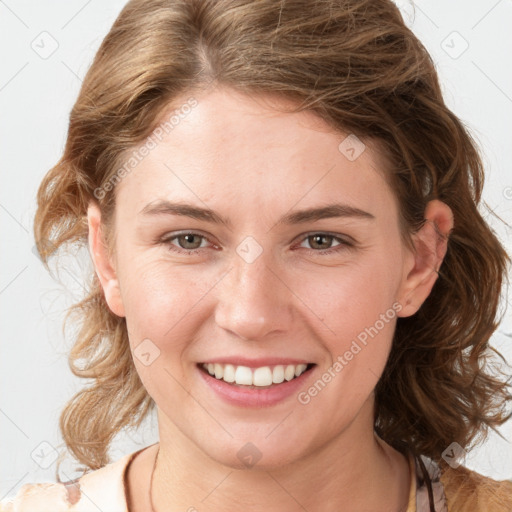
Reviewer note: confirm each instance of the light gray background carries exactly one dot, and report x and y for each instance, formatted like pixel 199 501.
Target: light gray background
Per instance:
pixel 37 91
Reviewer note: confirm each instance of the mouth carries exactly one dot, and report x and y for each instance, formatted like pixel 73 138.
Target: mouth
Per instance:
pixel 263 377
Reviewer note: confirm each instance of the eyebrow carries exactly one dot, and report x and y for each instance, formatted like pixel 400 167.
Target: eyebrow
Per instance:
pixel 164 207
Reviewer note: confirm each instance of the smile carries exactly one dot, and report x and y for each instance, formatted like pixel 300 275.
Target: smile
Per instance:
pixel 264 376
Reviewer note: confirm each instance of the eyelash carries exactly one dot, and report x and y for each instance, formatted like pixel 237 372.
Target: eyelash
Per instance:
pixel 343 244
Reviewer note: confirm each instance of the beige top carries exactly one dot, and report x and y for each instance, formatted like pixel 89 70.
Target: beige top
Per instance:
pixel 104 489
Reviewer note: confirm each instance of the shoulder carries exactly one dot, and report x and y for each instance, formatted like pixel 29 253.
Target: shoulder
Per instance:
pixel 29 497
pixel 101 489
pixel 469 491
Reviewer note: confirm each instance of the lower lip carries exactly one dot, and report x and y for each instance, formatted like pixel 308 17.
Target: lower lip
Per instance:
pixel 254 397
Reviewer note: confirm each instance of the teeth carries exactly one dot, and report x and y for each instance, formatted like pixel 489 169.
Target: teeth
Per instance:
pixel 263 376
pixel 219 371
pixel 278 374
pixel 229 373
pixel 289 372
pixel 298 370
pixel 243 375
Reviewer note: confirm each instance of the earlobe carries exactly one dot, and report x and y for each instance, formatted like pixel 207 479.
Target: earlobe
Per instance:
pixel 102 261
pixel 431 244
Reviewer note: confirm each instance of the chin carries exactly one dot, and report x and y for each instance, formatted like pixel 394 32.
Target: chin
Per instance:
pixel 259 454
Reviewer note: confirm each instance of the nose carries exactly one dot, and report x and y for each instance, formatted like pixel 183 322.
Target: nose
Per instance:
pixel 254 300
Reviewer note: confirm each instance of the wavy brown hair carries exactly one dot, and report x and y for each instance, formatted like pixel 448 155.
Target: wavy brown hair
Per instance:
pixel 356 65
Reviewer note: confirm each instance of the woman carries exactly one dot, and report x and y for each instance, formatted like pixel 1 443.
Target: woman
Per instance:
pixel 289 262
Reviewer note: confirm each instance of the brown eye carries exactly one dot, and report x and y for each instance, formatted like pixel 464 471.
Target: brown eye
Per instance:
pixel 186 243
pixel 321 243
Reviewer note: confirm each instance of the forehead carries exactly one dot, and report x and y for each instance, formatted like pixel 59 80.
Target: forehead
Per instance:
pixel 236 150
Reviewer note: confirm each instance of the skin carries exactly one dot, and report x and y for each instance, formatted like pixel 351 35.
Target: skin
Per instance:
pixel 240 157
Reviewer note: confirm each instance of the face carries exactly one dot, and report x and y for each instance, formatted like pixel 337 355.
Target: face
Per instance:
pixel 256 284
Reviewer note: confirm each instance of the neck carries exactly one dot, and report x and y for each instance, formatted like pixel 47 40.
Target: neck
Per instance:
pixel 351 472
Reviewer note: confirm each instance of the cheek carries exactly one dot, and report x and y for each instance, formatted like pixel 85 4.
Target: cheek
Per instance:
pixel 359 311
pixel 163 309
pixel 357 306
pixel 161 299
pixel 357 293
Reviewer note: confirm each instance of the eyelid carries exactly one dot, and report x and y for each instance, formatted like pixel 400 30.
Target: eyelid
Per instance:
pixel 168 237
pixel 345 241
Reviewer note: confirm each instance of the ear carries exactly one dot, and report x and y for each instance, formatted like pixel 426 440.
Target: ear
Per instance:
pixel 430 243
pixel 102 262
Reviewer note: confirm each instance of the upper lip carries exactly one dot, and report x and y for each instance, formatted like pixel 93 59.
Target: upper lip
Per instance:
pixel 257 362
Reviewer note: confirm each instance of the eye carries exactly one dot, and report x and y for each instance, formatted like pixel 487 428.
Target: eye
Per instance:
pixel 188 242
pixel 320 243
